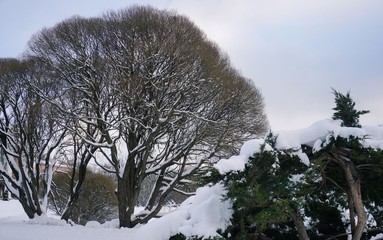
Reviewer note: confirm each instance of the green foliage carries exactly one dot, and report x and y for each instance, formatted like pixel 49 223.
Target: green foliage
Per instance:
pixel 326 218
pixel 212 177
pixel 276 182
pixel 264 195
pixel 345 110
pixel 180 236
pixel 276 191
pixel 333 193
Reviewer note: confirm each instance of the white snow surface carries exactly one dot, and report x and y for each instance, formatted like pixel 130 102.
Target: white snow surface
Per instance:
pixel 237 163
pixel 317 136
pixel 320 132
pixel 201 215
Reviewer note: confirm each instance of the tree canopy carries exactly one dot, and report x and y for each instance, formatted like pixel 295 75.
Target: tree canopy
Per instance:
pixel 145 95
pixel 322 182
pixel 345 110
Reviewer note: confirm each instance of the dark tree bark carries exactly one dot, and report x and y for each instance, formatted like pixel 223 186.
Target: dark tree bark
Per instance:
pixel 353 192
pixel 299 225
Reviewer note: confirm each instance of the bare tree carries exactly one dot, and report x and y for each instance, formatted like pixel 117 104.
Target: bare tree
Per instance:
pixel 162 99
pixel 30 138
pixel 72 61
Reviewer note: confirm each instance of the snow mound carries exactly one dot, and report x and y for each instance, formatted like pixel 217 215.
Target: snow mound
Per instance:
pixel 320 132
pixel 93 224
pixel 200 215
pixel 46 220
pixel 237 163
pixel 207 212
pixel 234 163
pixel 308 136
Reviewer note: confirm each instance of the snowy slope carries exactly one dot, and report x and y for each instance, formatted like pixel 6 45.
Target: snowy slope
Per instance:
pixel 201 215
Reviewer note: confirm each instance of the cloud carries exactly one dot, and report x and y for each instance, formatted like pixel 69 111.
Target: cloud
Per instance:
pixel 295 50
pixel 20 19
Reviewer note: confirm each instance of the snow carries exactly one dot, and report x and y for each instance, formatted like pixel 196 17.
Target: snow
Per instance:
pixel 308 136
pixel 377 237
pixel 316 136
pixel 207 212
pixel 319 132
pixel 200 215
pixel 234 163
pixel 252 146
pixel 237 163
pixel 296 178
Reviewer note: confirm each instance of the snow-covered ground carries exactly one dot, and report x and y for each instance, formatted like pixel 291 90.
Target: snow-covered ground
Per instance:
pixel 202 214
pixel 200 219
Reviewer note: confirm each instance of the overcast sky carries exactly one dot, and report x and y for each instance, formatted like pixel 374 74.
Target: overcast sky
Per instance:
pixel 294 50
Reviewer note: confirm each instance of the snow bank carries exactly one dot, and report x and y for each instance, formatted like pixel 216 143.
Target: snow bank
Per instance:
pixel 207 212
pixel 46 220
pixel 200 215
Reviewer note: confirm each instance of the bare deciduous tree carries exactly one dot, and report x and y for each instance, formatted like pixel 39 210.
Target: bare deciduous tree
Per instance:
pixel 31 138
pixel 163 101
pixel 72 61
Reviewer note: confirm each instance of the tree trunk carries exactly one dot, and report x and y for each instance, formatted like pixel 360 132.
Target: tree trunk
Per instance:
pixel 126 202
pixel 76 192
pixel 28 209
pixel 124 219
pixel 353 183
pixel 299 225
pixel 352 211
